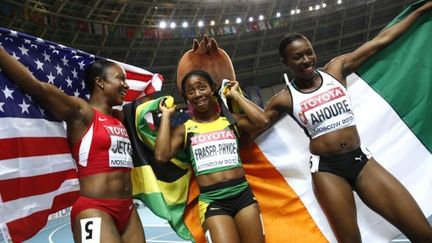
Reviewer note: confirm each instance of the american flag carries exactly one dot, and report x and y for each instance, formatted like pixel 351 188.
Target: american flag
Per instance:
pixel 37 172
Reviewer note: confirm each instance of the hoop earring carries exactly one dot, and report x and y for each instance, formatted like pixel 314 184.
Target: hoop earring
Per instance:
pixel 190 109
pixel 216 104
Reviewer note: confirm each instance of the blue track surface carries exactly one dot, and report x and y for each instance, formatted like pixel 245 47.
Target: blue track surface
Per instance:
pixel 157 230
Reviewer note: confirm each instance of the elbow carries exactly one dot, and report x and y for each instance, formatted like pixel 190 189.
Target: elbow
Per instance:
pixel 264 123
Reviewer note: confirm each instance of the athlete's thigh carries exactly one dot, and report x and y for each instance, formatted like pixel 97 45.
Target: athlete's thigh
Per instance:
pixel 249 225
pixel 134 231
pixel 222 229
pixel 383 193
pixel 95 224
pixel 336 198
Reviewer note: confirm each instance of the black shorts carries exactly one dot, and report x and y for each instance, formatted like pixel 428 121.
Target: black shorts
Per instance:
pixel 226 206
pixel 347 165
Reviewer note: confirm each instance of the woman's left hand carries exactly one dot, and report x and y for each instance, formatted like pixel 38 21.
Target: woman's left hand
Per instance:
pixel 231 88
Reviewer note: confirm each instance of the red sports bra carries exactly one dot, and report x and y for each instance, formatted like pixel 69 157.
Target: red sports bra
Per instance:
pixel 104 147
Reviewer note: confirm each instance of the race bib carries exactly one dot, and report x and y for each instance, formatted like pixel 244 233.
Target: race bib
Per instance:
pixel 120 152
pixel 214 150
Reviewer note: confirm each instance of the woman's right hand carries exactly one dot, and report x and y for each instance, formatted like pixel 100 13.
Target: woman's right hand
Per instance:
pixel 164 109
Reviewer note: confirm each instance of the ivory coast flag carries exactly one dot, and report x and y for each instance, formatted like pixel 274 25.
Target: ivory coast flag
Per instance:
pixel 392 100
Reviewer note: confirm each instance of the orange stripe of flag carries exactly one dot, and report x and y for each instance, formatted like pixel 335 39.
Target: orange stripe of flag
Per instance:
pixel 285 217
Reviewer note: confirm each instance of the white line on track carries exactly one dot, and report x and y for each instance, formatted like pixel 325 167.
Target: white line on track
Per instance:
pixel 163 235
pixel 54 231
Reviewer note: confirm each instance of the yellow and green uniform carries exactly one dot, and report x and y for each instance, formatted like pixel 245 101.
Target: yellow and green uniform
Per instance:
pixel 213 147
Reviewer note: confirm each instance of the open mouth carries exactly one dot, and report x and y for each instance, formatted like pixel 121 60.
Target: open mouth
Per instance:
pixel 123 93
pixel 308 70
pixel 200 102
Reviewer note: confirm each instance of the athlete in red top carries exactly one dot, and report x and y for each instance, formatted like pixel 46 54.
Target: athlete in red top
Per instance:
pixel 105 211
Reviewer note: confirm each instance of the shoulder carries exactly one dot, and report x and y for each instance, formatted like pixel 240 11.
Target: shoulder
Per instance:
pixel 83 112
pixel 282 98
pixel 179 129
pixel 336 68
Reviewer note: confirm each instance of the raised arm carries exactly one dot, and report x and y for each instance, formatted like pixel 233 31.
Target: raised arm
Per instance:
pixel 343 65
pixel 62 106
pixel 254 118
pixel 278 106
pixel 168 141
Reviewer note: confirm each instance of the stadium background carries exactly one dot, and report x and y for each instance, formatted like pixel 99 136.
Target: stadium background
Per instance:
pixel 133 32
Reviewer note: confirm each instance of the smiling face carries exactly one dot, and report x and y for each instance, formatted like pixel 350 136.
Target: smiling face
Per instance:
pixel 199 93
pixel 115 86
pixel 300 58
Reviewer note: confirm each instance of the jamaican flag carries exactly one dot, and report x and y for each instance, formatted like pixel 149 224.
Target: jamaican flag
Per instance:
pixel 163 188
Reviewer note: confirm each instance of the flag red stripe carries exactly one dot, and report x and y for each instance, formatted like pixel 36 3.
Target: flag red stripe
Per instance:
pixel 132 94
pixel 138 76
pixel 32 146
pixel 150 89
pixel 26 227
pixel 25 186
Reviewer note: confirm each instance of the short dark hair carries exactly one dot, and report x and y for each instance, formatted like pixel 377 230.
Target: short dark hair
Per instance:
pixel 287 39
pixel 96 69
pixel 201 73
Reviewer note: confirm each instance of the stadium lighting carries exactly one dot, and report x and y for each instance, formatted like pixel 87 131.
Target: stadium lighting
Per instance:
pixel 297 11
pixel 200 23
pixel 310 8
pixel 251 19
pixel 185 24
pixel 278 14
pixel 173 25
pixel 238 20
pixel 292 11
pixel 324 5
pixel 261 17
pixel 212 22
pixel 339 1
pixel 227 21
pixel 162 24
pixel 317 7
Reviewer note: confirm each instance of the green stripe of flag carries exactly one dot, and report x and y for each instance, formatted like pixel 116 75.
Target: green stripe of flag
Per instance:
pixel 402 75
